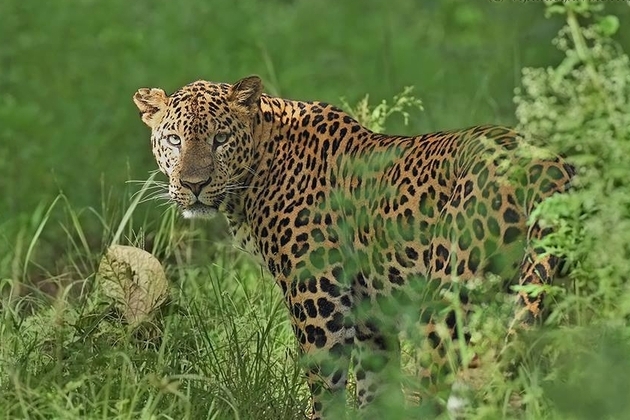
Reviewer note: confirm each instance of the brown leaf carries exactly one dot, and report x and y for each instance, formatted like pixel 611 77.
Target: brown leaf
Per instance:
pixel 135 280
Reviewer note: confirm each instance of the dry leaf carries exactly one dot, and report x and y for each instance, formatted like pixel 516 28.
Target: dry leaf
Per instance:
pixel 135 280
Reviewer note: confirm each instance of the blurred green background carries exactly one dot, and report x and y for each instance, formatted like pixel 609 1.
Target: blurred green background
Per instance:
pixel 68 69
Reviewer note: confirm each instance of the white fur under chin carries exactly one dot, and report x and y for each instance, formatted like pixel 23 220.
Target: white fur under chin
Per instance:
pixel 199 213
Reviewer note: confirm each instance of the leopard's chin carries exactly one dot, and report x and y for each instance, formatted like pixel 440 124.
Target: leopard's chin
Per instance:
pixel 199 211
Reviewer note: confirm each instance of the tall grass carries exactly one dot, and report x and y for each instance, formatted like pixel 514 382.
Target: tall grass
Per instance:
pixel 221 348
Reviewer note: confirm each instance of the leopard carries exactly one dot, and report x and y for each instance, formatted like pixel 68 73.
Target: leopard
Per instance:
pixel 356 225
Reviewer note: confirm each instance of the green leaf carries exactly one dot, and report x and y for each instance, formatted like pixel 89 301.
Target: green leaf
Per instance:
pixel 554 9
pixel 608 25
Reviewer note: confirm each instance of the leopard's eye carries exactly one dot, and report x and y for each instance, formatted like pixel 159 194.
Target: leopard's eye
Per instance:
pixel 220 138
pixel 174 140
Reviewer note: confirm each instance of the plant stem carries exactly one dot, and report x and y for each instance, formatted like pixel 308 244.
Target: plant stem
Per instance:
pixel 580 46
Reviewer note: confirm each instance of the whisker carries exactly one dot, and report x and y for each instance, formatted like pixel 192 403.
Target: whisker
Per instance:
pixel 165 203
pixel 148 184
pixel 248 169
pixel 144 181
pixel 150 190
pixel 150 193
pixel 159 199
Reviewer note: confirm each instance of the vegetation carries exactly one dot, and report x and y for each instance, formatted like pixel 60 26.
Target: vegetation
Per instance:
pixel 221 348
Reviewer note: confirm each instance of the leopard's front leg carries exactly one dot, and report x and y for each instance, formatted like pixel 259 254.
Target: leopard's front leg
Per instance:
pixel 322 322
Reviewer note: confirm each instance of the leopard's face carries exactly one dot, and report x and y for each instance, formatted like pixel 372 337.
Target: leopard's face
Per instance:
pixel 202 140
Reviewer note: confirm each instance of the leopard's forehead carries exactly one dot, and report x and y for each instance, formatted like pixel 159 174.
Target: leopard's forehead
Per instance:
pixel 198 106
pixel 203 87
pixel 194 97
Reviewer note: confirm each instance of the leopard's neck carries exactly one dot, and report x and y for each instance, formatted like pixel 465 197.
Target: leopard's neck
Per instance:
pixel 286 146
pixel 271 127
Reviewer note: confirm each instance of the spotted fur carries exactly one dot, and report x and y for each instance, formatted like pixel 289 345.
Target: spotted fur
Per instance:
pixel 354 225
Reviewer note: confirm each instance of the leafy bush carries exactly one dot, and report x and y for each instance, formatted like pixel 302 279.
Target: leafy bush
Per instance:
pixel 581 109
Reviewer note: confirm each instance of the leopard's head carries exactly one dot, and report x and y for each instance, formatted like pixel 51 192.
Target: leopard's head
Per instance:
pixel 202 137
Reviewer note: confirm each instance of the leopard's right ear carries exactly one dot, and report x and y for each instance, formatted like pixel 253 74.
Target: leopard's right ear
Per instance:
pixel 152 105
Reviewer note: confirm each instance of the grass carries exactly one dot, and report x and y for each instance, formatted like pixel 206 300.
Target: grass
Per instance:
pixel 221 348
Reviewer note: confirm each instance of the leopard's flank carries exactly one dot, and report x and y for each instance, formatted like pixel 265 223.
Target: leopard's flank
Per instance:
pixel 354 225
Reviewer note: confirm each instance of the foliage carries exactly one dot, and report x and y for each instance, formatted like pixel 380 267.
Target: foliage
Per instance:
pixel 581 108
pixel 376 117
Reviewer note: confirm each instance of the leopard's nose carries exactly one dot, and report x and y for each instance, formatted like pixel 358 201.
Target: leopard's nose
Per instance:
pixel 195 187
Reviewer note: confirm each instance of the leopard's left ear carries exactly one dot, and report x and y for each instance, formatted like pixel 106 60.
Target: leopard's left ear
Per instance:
pixel 246 92
pixel 152 105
